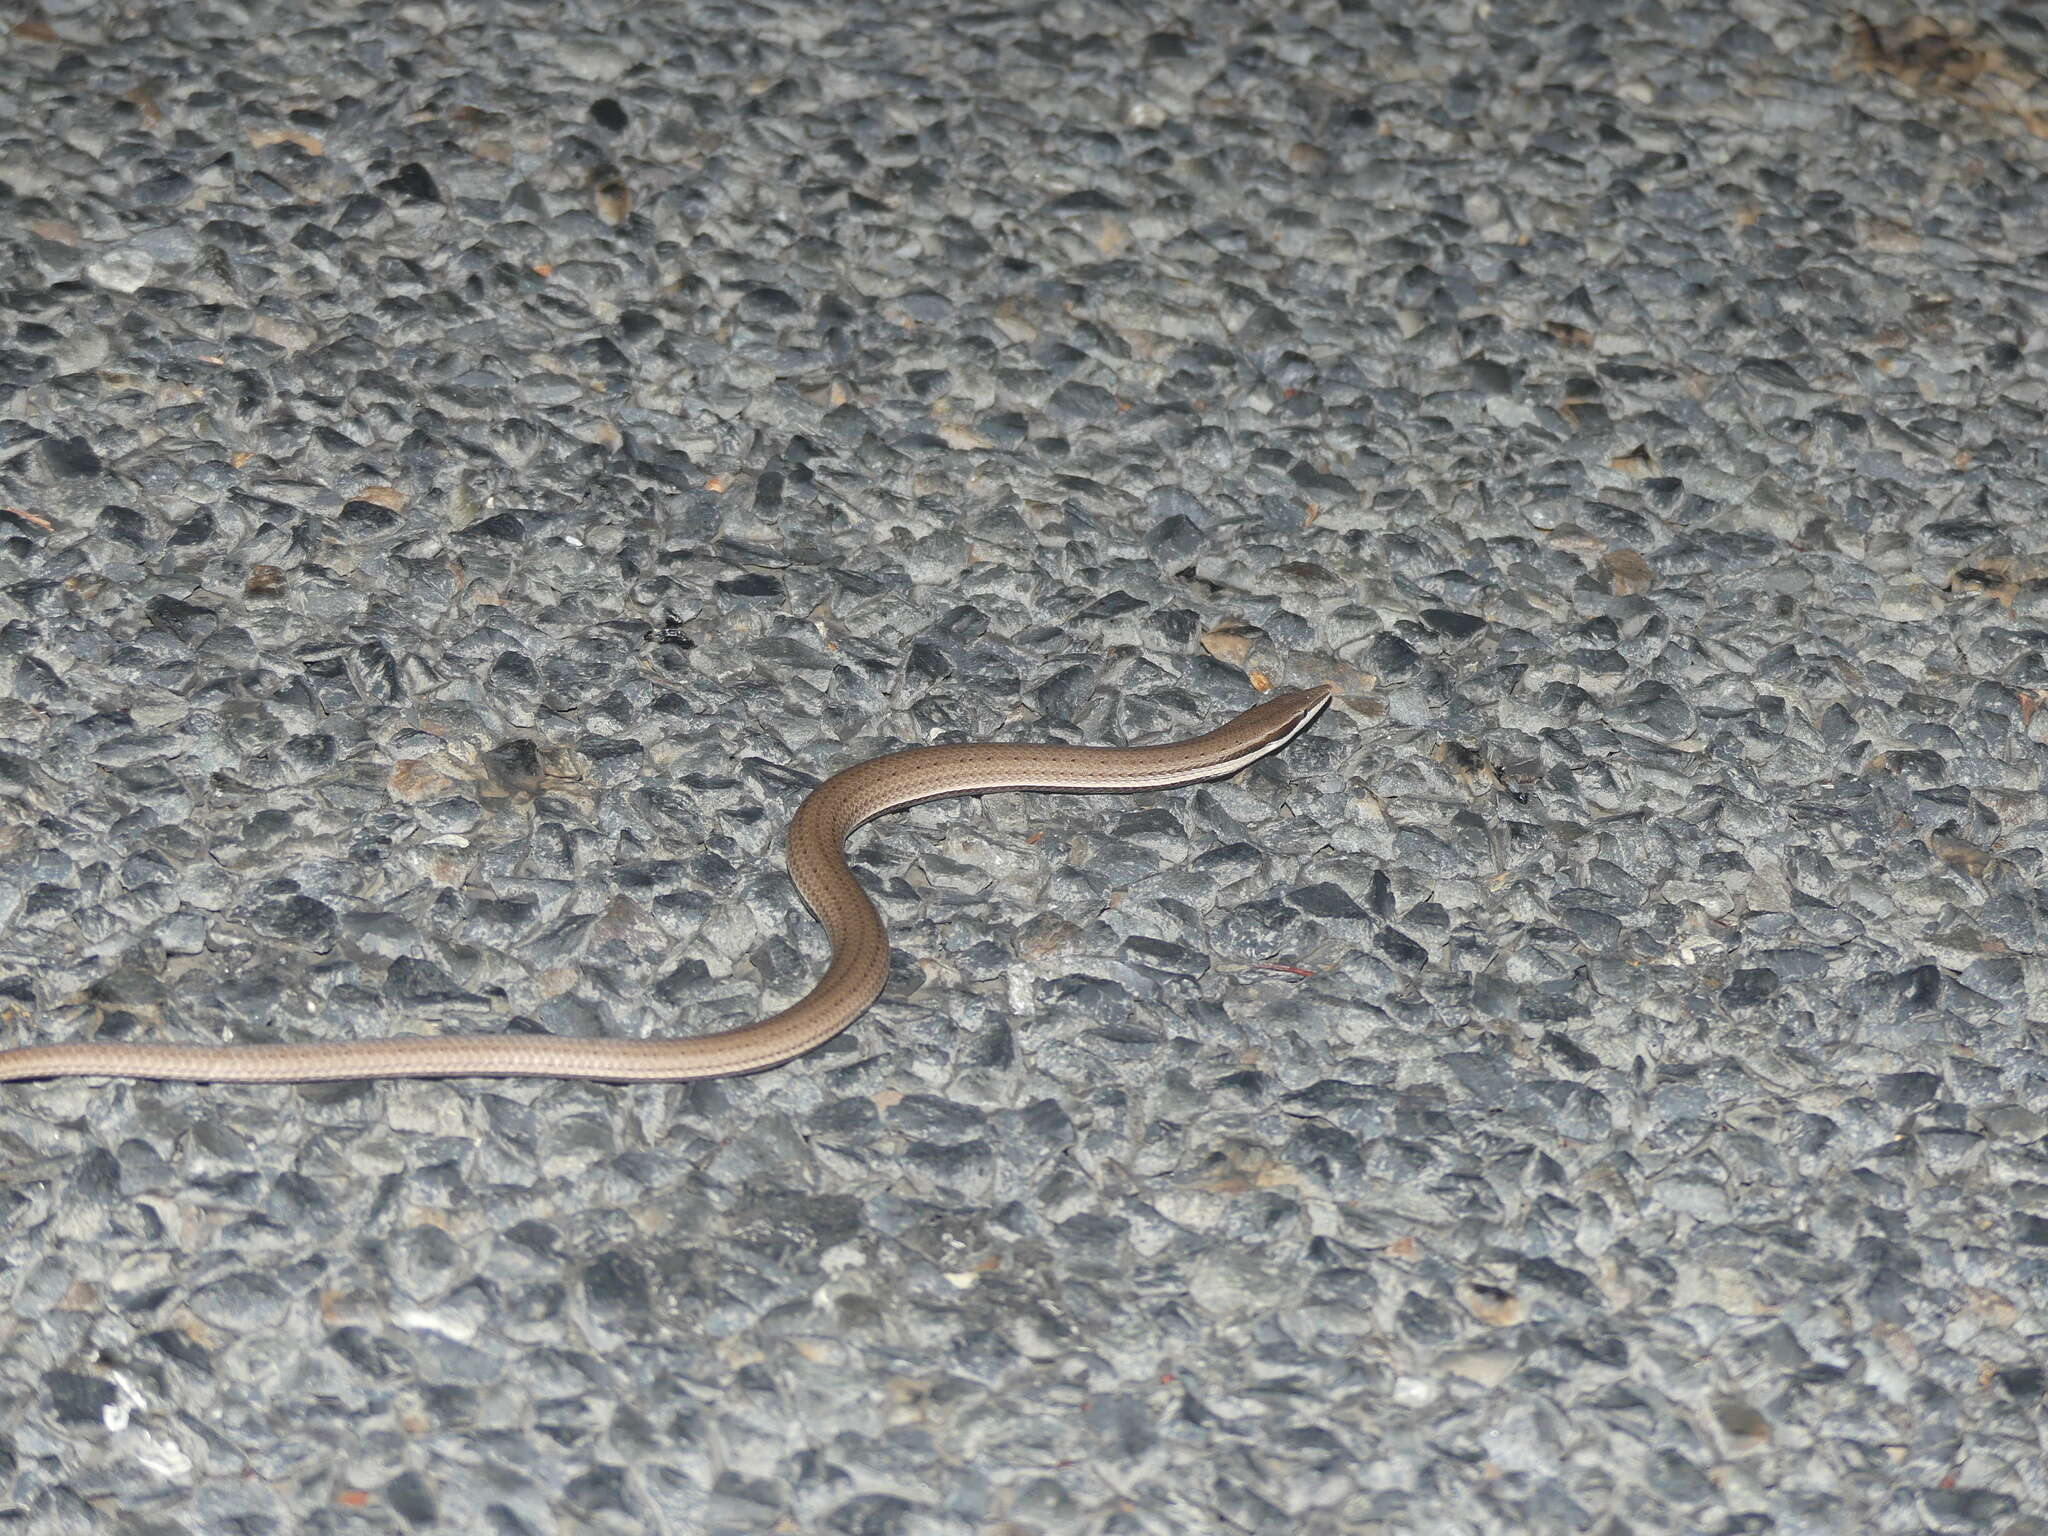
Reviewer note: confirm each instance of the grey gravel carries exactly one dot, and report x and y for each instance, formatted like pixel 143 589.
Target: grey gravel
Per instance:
pixel 470 470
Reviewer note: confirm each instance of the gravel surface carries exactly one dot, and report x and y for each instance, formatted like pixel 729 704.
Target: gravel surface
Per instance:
pixel 470 469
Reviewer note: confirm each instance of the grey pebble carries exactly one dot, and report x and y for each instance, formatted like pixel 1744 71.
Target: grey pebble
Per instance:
pixel 454 516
